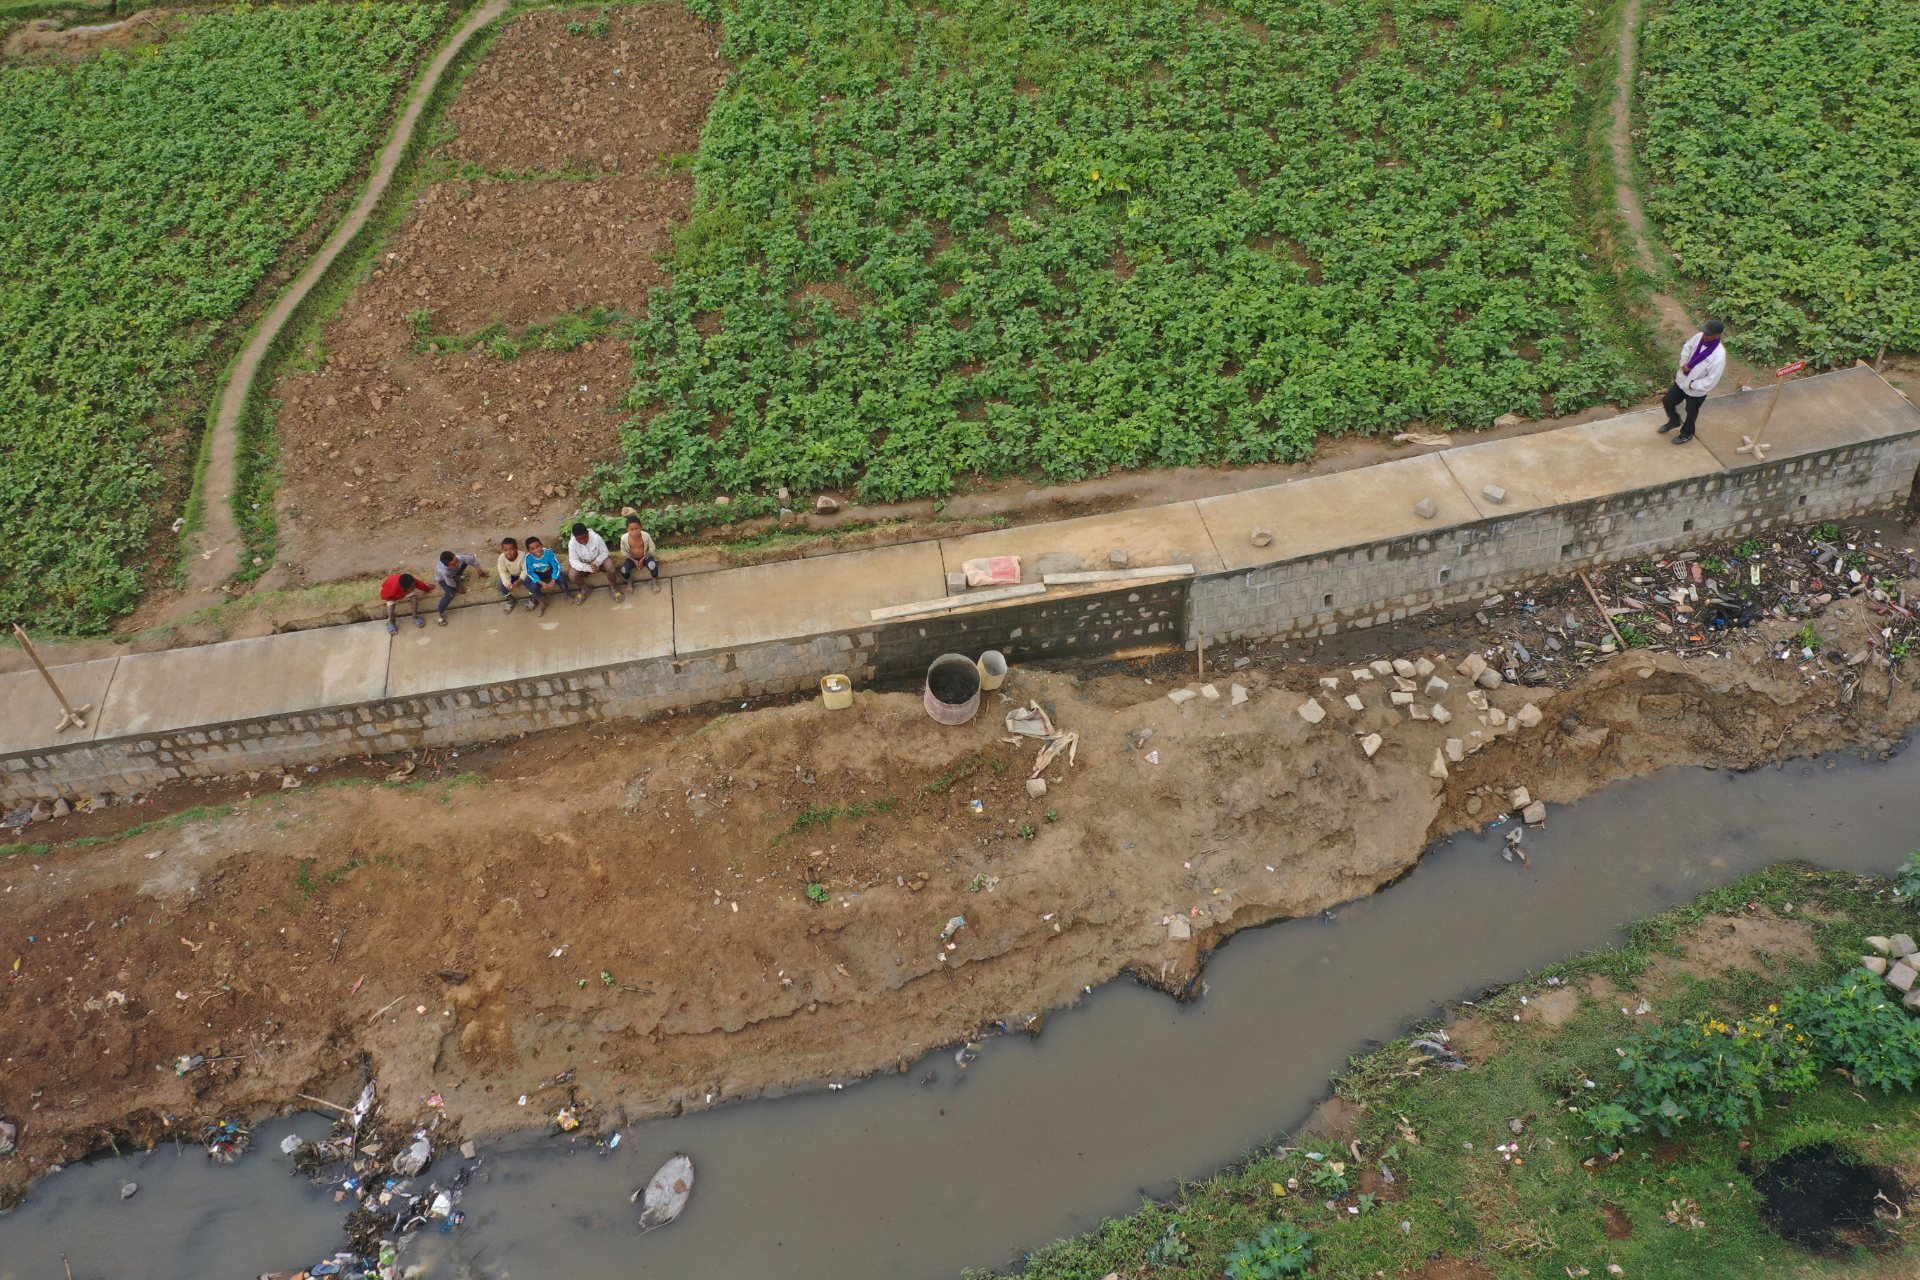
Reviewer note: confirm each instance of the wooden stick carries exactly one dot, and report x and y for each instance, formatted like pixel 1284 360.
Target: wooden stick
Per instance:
pixel 72 719
pixel 307 1097
pixel 1604 616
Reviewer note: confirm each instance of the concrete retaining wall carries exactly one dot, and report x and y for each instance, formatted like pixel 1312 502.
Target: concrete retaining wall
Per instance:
pixel 1313 557
pixel 1377 583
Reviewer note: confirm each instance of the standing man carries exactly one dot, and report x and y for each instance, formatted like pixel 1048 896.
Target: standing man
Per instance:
pixel 1702 360
pixel 638 552
pixel 587 554
pixel 450 572
pixel 403 586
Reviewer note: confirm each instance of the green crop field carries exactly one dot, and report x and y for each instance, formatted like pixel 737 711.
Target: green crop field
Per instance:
pixel 1782 160
pixel 1073 235
pixel 146 197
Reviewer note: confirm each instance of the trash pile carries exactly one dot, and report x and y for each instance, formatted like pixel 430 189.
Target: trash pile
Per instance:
pixel 1695 602
pixel 393 1202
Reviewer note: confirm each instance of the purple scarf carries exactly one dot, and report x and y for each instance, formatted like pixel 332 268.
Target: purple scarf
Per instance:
pixel 1701 352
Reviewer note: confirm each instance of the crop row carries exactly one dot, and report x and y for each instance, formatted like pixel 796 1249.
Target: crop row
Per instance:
pixel 1072 235
pixel 1781 149
pixel 146 198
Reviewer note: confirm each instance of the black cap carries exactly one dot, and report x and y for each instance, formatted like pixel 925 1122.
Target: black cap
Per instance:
pixel 1714 328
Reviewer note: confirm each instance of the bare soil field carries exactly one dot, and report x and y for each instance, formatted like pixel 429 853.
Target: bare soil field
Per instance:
pixel 390 452
pixel 620 918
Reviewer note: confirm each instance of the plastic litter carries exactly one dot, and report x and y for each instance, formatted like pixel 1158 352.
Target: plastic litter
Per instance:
pixel 126 1192
pixel 665 1194
pixel 952 927
pixel 412 1161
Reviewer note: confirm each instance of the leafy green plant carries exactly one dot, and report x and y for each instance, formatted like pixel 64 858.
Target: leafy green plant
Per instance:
pixel 818 892
pixel 159 189
pixel 1632 630
pixel 1329 1177
pixel 1858 1023
pixel 1907 878
pixel 1806 638
pixel 1170 1249
pixel 1026 831
pixel 1279 1250
pixel 1711 1072
pixel 1752 548
pixel 1826 531
pixel 1609 1124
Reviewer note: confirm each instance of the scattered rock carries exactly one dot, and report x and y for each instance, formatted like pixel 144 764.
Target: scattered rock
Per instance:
pixel 956 583
pixel 9 1136
pixel 1441 714
pixel 1208 692
pixel 1901 976
pixel 1370 744
pixel 1879 943
pixel 1456 750
pixel 1528 716
pixel 1382 668
pixel 1117 557
pixel 1330 682
pixel 1520 798
pixel 1426 508
pixel 1439 767
pixel 1262 537
pixel 467 1148
pixel 1471 666
pixel 1179 696
pixel 1509 420
pixel 1419 712
pixel 1901 945
pixel 1473 802
pixel 1489 678
pixel 1535 814
pixel 1401 698
pixel 1494 493
pixel 1437 685
pixel 1353 700
pixel 1036 787
pixel 1874 964
pixel 1313 713
pixel 1239 692
pixel 825 505
pixel 1403 668
pixel 61 808
pixel 1424 667
pixel 1178 930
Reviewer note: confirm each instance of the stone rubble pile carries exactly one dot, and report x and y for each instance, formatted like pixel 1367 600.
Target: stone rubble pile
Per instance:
pixel 1898 962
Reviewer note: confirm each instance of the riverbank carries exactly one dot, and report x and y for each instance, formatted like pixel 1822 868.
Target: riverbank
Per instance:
pixel 1463 1151
pixel 627 920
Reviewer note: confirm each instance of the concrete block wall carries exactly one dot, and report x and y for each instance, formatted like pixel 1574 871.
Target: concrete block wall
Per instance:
pixel 1101 622
pixel 451 719
pixel 1372 585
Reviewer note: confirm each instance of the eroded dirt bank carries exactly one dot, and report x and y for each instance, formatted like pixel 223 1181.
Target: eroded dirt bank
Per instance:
pixel 620 919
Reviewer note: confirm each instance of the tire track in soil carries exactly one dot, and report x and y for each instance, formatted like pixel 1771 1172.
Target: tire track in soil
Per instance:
pixel 214 549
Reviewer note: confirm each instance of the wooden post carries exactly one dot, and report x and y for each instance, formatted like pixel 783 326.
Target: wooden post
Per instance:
pixel 1604 615
pixel 70 718
pixel 1751 444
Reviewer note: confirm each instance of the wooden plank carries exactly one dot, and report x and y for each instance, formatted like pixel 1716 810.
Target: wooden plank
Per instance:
pixel 1118 575
pixel 954 602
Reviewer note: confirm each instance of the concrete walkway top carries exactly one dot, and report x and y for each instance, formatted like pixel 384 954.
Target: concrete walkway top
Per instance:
pixel 183 689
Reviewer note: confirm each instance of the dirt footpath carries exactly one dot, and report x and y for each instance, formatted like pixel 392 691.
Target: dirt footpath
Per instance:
pixel 559 201
pixel 622 918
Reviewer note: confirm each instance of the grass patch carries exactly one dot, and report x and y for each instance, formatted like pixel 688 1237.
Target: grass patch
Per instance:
pixel 823 815
pixel 1544 1207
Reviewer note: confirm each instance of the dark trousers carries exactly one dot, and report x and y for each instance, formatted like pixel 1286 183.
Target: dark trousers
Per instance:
pixel 1672 402
pixel 650 564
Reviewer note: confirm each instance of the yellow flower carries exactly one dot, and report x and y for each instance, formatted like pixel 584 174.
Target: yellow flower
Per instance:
pixel 1773 1008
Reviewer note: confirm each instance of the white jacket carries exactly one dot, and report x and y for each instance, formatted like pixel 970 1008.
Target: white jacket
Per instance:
pixel 1706 374
pixel 587 558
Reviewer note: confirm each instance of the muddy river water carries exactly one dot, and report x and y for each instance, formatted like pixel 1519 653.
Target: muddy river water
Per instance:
pixel 1035 1139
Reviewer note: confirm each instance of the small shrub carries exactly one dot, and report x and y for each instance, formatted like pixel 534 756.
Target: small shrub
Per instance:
pixel 1279 1250
pixel 1857 1023
pixel 1329 1178
pixel 1608 1123
pixel 1712 1072
pixel 818 892
pixel 1170 1250
pixel 1907 879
